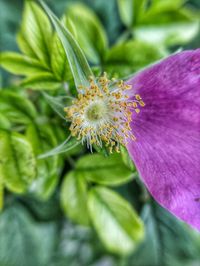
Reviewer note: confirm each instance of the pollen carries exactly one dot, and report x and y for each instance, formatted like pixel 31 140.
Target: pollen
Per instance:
pixel 102 112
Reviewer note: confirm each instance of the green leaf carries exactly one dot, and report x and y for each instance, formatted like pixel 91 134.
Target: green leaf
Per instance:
pixel 36 31
pixel 77 61
pixel 74 197
pixel 20 64
pixel 167 242
pixel 91 30
pixel 104 170
pixel 16 108
pixel 4 122
pixel 24 153
pixel 18 164
pixel 126 58
pixel 21 235
pixel 126 11
pixel 43 139
pixel 159 22
pixel 126 159
pixel 167 22
pixel 59 62
pixel 161 7
pixel 81 247
pixel 41 81
pixel 24 45
pixel 115 221
pixel 176 33
pixel 131 10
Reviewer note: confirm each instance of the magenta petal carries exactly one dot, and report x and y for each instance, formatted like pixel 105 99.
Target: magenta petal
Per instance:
pixel 167 149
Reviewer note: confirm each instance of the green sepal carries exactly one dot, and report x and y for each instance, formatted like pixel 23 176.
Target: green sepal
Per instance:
pixel 78 64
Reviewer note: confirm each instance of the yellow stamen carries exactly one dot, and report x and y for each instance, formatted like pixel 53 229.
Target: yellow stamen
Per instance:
pixel 102 114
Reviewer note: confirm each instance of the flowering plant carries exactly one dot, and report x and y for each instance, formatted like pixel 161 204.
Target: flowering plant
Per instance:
pixel 101 132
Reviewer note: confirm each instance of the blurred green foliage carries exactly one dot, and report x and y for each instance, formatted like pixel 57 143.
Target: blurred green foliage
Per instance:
pixel 56 208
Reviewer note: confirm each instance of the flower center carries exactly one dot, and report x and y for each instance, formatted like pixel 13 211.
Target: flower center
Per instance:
pixel 96 111
pixel 102 113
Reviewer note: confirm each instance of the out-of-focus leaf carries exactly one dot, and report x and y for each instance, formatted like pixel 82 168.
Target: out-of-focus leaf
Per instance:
pixel 130 10
pixel 21 236
pixel 107 12
pixel 167 241
pixel 126 58
pixel 20 64
pixel 78 64
pixel 171 34
pixel 36 31
pixel 92 37
pixel 18 164
pixel 159 22
pixel 24 45
pixel 117 224
pixel 74 197
pixel 126 11
pixel 78 245
pixel 70 25
pixel 49 210
pixel 103 170
pixel 4 122
pixel 16 108
pixel 43 139
pixel 41 81
pixel 156 8
pixel 167 22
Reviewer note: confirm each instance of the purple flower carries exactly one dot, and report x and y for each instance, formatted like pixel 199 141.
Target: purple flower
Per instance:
pixel 167 150
pixel 163 138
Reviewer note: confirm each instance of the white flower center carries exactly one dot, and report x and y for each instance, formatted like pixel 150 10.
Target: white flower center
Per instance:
pixel 96 111
pixel 102 114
